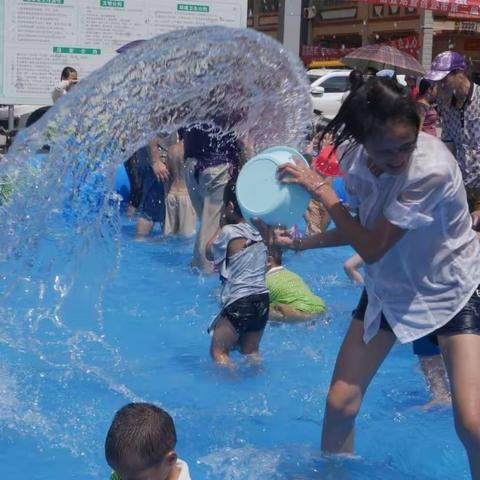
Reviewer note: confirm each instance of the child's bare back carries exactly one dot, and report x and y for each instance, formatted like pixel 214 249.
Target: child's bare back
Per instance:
pixel 180 217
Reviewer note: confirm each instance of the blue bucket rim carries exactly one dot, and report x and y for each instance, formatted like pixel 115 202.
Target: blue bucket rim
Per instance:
pixel 283 148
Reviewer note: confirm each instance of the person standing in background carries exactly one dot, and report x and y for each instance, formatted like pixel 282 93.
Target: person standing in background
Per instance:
pixel 68 79
pixel 411 81
pixel 212 158
pixel 426 110
pixel 180 217
pixel 154 177
pixel 459 102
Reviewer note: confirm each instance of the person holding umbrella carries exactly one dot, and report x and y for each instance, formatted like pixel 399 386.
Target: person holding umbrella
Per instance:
pixel 381 57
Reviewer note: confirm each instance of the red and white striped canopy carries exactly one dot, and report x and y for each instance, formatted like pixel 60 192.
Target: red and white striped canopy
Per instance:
pixel 467 7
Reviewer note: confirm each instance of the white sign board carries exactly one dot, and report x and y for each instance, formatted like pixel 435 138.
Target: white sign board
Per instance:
pixel 41 37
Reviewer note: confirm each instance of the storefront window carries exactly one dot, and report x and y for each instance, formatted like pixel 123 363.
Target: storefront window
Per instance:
pixel 269 6
pixel 250 8
pixel 320 4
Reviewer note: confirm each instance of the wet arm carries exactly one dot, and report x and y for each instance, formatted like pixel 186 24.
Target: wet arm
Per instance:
pixel 372 244
pixel 330 238
pixel 159 168
pixel 209 246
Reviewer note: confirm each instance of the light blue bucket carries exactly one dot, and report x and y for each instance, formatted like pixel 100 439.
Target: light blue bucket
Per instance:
pixel 260 194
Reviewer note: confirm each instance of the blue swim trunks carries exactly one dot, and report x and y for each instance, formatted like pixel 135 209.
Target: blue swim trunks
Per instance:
pixel 152 205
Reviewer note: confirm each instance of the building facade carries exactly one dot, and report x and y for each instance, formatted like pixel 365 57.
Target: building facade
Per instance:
pixel 344 24
pixel 264 16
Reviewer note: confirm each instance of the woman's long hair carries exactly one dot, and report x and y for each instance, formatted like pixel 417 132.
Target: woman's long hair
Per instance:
pixel 368 108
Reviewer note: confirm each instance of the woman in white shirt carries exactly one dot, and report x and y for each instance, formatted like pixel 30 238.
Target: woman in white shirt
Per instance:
pixel 423 259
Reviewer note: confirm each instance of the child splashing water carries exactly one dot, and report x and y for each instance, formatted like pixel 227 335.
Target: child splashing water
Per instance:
pixel 240 256
pixel 422 257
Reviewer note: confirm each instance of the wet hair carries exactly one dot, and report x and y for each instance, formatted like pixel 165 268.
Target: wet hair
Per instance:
pixel 320 125
pixel 276 253
pixel 141 431
pixel 66 72
pixel 230 195
pixel 379 100
pixel 424 86
pixel 356 80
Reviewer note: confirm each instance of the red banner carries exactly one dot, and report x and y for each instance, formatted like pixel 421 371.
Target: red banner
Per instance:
pixel 410 45
pixel 467 7
pixel 310 53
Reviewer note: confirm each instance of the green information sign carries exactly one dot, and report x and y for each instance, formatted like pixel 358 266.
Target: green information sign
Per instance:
pixel 77 50
pixel 185 7
pixel 53 2
pixel 39 37
pixel 112 3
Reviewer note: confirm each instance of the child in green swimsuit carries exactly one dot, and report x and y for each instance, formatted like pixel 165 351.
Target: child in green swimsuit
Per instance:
pixel 291 299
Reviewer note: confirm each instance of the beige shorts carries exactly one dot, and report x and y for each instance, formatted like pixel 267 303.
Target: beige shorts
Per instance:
pixel 180 217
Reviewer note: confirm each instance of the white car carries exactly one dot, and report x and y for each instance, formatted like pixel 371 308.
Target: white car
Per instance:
pixel 327 88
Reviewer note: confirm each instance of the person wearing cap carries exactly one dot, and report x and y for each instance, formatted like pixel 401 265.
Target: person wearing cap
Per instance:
pixel 459 101
pixel 386 73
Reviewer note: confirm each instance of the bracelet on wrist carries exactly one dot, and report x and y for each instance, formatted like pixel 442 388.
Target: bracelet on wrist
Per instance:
pixel 319 185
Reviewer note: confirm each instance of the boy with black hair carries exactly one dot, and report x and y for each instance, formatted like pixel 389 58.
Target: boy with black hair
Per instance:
pixel 240 255
pixel 140 445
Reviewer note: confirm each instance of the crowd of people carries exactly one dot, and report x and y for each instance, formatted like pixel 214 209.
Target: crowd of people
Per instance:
pixel 409 158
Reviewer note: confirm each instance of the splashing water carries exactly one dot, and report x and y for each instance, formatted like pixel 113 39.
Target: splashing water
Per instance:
pixel 61 210
pixel 235 78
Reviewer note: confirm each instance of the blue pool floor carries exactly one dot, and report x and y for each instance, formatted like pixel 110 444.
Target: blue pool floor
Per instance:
pixel 149 343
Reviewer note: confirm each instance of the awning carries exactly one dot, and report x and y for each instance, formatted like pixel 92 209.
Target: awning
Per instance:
pixel 467 7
